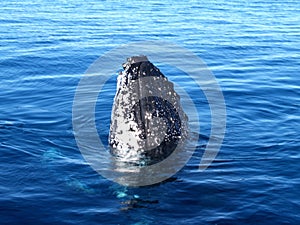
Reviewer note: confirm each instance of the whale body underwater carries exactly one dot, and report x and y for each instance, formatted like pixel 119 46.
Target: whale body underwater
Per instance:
pixel 147 120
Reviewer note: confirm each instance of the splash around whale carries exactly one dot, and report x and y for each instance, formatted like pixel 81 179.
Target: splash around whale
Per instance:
pixel 147 121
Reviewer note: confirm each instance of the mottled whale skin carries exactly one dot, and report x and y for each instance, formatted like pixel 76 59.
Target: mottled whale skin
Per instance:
pixel 147 121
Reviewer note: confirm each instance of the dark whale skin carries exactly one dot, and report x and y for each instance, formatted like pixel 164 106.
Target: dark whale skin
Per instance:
pixel 147 121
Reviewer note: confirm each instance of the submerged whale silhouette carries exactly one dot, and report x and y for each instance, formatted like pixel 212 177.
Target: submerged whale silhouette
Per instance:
pixel 147 121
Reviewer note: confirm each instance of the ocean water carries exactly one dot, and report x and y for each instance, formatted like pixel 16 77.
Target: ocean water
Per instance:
pixel 252 48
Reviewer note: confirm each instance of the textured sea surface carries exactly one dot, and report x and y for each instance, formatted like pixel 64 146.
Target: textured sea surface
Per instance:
pixel 252 48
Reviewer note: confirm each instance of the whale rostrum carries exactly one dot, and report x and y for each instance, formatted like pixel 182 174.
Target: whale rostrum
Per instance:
pixel 147 120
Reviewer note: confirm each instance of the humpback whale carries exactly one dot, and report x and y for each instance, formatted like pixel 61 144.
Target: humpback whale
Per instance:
pixel 147 120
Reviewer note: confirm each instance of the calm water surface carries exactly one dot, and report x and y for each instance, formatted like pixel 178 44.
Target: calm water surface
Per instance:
pixel 252 47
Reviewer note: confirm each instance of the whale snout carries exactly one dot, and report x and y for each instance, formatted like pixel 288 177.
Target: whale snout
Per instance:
pixel 147 121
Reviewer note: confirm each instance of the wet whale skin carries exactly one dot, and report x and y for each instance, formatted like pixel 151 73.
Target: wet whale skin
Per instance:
pixel 147 121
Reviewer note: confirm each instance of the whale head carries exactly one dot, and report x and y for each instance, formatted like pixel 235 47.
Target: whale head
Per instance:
pixel 147 121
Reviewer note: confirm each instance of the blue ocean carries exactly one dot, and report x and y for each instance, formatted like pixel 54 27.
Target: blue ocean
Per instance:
pixel 252 49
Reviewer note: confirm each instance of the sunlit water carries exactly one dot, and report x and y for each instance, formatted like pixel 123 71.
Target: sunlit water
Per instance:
pixel 252 47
